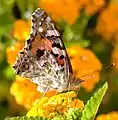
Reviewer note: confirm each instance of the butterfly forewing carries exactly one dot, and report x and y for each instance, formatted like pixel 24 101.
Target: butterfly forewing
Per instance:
pixel 46 38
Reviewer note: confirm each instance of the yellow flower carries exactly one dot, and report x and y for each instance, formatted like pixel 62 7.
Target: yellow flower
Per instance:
pixel 49 107
pixel 92 6
pixel 24 92
pixel 70 10
pixel 64 9
pixel 110 116
pixel 108 26
pixel 21 30
pixel 85 64
pixel 13 51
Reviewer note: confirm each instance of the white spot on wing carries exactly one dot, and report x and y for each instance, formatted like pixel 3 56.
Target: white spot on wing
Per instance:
pixel 55 50
pixel 52 32
pixel 42 19
pixel 40 29
pixel 39 23
pixel 38 8
pixel 63 52
pixel 48 19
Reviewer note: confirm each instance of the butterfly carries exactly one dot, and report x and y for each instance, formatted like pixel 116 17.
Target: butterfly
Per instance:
pixel 44 59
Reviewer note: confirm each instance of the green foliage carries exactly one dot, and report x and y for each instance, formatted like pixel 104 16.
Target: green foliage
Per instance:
pixel 28 118
pixel 73 114
pixel 84 43
pixel 5 6
pixel 75 31
pixel 58 117
pixel 5 23
pixel 92 105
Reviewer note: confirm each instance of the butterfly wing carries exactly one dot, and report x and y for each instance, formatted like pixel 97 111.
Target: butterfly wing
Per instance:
pixel 44 59
pixel 44 37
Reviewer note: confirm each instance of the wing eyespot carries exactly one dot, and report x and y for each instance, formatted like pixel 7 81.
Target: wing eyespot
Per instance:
pixel 25 66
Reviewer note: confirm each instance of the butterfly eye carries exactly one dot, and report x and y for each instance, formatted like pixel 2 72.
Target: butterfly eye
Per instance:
pixel 25 66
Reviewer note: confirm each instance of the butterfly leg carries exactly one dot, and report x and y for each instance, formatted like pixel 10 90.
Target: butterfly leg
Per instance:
pixel 68 89
pixel 44 92
pixel 56 93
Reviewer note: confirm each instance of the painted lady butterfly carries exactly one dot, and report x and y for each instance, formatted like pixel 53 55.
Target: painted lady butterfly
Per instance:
pixel 44 59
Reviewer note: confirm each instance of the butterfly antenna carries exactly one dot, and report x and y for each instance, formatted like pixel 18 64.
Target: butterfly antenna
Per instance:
pixel 113 64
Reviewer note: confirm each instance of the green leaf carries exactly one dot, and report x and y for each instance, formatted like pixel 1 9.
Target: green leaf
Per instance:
pixel 32 4
pixel 4 89
pixel 26 6
pixel 4 108
pixel 5 24
pixel 73 114
pixel 93 104
pixel 58 117
pixel 75 31
pixel 6 6
pixel 8 72
pixel 83 43
pixel 22 5
pixel 28 118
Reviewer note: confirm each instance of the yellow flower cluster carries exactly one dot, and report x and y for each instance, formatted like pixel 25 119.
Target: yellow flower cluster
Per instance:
pixel 13 51
pixel 108 23
pixel 69 10
pixel 91 6
pixel 21 30
pixel 110 116
pixel 49 107
pixel 85 64
pixel 24 92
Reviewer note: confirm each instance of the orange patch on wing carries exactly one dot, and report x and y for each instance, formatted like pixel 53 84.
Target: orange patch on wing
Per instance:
pixel 42 44
pixel 60 62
